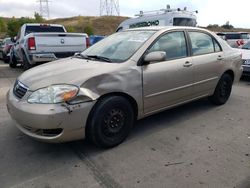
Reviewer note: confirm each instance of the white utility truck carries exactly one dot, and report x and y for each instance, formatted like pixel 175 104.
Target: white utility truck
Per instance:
pixel 162 17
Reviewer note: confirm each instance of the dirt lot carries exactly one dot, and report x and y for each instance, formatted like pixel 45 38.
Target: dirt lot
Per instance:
pixel 195 145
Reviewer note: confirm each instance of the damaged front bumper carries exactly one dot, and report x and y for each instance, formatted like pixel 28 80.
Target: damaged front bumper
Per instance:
pixel 49 122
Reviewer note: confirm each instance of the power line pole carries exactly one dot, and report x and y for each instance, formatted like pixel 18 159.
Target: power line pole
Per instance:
pixel 44 8
pixel 109 7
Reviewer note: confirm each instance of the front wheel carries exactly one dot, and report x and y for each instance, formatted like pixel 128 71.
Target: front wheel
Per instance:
pixel 223 90
pixel 110 121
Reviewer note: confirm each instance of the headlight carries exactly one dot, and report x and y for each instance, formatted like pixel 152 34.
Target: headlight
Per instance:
pixel 54 94
pixel 246 62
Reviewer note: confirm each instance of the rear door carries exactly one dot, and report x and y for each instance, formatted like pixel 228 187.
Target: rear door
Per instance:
pixel 207 58
pixel 168 82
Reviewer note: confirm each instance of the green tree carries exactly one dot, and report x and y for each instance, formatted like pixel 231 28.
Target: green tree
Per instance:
pixel 211 26
pixel 14 24
pixel 89 30
pixel 38 18
pixel 70 29
pixel 3 26
pixel 227 26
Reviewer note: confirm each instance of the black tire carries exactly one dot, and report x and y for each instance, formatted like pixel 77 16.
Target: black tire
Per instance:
pixel 13 61
pixel 223 90
pixel 6 59
pixel 110 122
pixel 26 64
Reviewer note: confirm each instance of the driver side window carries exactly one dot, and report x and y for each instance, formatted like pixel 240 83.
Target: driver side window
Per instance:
pixel 174 44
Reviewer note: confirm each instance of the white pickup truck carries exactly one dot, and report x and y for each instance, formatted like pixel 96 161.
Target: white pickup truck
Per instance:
pixel 39 43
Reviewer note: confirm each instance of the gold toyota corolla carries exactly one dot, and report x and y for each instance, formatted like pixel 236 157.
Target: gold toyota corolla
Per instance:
pixel 100 93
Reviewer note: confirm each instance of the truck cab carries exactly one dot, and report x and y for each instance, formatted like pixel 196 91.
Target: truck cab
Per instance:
pixel 162 17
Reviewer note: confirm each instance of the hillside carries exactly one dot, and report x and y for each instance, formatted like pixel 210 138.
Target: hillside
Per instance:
pixel 98 25
pixel 101 25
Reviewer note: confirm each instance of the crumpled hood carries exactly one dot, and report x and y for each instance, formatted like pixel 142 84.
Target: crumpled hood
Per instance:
pixel 66 71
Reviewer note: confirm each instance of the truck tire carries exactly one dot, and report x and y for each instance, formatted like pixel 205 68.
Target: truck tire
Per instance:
pixel 26 64
pixel 110 121
pixel 13 61
pixel 223 90
pixel 6 60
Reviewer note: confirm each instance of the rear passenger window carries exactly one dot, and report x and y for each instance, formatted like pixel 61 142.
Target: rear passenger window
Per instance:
pixel 174 44
pixel 201 43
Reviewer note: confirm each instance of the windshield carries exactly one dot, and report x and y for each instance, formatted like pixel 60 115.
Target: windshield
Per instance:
pixel 43 28
pixel 245 36
pixel 118 47
pixel 233 36
pixel 184 22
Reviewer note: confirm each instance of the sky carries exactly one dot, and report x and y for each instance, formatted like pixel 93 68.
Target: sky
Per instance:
pixel 210 11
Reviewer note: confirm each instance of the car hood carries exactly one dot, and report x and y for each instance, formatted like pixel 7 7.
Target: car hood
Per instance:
pixel 66 71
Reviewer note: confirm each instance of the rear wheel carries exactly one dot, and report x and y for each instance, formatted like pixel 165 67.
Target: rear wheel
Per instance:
pixel 110 122
pixel 223 90
pixel 26 64
pixel 13 61
pixel 6 60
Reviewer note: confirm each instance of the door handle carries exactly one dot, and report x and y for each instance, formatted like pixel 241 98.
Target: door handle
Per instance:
pixel 187 64
pixel 220 57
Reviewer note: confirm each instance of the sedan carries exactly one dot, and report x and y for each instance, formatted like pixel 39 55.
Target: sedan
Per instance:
pixel 101 92
pixel 245 50
pixel 5 49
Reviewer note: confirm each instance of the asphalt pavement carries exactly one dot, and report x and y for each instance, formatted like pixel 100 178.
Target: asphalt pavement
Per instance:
pixel 192 146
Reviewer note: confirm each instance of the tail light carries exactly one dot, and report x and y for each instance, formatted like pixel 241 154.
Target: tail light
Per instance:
pixel 240 42
pixel 87 42
pixel 31 43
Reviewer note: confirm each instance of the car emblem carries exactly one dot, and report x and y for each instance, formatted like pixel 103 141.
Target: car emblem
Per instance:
pixel 62 41
pixel 16 87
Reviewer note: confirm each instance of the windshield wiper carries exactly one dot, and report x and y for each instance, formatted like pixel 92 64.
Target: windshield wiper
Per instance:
pixel 79 55
pixel 99 58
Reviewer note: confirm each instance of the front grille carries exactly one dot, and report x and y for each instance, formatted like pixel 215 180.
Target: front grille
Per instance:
pixel 44 132
pixel 64 54
pixel 19 89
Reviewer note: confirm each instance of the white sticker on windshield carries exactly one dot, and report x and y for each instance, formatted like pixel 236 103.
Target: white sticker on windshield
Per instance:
pixel 138 39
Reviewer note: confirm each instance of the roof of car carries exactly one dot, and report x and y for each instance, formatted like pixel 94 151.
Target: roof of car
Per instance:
pixel 38 24
pixel 232 33
pixel 158 28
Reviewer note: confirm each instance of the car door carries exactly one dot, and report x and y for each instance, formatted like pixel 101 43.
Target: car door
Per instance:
pixel 207 59
pixel 170 81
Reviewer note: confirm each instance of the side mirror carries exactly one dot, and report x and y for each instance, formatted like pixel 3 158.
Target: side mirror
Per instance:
pixel 13 39
pixel 155 57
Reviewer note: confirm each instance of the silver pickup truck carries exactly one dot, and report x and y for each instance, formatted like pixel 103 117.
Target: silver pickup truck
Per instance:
pixel 39 43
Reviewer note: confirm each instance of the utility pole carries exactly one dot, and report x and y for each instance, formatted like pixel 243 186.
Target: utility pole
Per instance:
pixel 44 8
pixel 109 7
